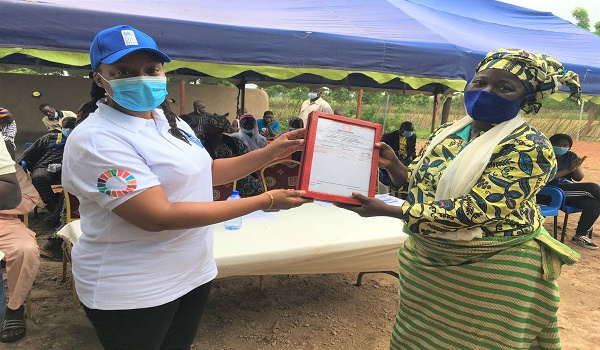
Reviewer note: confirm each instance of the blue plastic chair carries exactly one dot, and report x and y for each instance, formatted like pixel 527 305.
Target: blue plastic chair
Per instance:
pixel 557 201
pixel 567 209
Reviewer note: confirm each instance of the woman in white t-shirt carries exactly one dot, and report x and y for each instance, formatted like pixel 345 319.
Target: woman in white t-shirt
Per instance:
pixel 144 262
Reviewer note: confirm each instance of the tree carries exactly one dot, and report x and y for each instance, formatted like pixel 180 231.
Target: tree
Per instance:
pixel 581 15
pixel 597 27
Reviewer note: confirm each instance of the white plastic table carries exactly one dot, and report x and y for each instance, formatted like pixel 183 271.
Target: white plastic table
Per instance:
pixel 310 239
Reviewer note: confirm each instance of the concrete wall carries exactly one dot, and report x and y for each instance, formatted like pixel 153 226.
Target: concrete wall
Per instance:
pixel 69 93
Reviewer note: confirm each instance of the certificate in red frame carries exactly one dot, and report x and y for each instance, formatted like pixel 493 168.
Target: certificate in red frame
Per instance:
pixel 339 158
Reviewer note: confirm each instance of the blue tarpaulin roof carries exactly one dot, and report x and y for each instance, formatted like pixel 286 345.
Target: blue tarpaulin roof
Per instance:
pixel 370 43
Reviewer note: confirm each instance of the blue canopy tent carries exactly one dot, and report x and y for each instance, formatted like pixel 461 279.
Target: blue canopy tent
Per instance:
pixel 390 44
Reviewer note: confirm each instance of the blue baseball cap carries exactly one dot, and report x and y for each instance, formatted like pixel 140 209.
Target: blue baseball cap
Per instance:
pixel 112 44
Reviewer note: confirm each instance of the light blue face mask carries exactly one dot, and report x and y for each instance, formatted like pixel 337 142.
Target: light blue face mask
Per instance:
pixel 559 151
pixel 66 131
pixel 407 133
pixel 139 94
pixel 246 131
pixel 313 95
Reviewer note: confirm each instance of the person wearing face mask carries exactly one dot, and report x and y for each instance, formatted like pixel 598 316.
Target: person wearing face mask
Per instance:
pixel 43 160
pixel 315 102
pixel 53 117
pixel 249 134
pixel 144 263
pixel 582 195
pixel 403 141
pixel 478 269
pixel 219 145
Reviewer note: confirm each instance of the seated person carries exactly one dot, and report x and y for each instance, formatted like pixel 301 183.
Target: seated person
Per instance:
pixel 194 119
pixel 249 134
pixel 219 145
pixel 268 126
pixel 53 117
pixel 294 124
pixel 8 130
pixel 582 195
pixel 403 141
pixel 22 259
pixel 43 160
pixel 235 124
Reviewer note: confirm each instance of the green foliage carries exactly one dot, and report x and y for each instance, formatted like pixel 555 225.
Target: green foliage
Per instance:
pixel 23 71
pixel 582 17
pixel 597 27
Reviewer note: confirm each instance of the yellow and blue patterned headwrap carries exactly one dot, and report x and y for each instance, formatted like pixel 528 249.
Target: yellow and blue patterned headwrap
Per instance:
pixel 218 121
pixel 541 74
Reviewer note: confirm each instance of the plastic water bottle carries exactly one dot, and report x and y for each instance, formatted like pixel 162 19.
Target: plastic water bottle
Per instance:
pixel 235 223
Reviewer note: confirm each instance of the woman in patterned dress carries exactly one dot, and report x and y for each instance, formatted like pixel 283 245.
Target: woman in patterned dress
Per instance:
pixel 478 270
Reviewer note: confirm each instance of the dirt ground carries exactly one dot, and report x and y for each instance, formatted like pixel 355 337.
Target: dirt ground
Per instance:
pixel 309 311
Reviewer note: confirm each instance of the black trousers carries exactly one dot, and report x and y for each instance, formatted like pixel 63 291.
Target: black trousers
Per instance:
pixel 169 326
pixel 585 196
pixel 42 180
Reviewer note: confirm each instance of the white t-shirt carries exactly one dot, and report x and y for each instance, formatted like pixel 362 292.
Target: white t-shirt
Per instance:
pixel 319 105
pixel 7 164
pixel 110 158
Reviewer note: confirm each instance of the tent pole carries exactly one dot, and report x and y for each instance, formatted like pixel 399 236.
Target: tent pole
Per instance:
pixel 436 95
pixel 243 90
pixel 387 107
pixel 446 109
pixel 580 117
pixel 359 103
pixel 181 97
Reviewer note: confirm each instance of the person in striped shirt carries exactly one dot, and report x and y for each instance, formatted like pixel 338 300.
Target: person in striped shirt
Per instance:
pixel 8 129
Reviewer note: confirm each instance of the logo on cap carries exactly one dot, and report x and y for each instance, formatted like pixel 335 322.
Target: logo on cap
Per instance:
pixel 129 37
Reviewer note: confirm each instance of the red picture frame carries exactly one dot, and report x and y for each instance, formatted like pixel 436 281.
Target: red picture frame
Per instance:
pixel 304 182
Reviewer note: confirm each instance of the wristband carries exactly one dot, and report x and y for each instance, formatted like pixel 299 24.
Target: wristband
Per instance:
pixel 272 200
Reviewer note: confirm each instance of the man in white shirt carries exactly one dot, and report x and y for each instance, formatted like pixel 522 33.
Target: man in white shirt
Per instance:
pixel 53 117
pixel 314 103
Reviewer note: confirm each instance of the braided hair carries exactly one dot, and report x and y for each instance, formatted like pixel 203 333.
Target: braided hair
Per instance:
pixel 96 93
pixel 172 119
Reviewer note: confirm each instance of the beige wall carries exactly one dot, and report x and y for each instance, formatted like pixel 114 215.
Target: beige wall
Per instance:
pixel 69 93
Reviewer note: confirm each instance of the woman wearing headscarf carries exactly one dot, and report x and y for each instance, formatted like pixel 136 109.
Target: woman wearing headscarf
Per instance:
pixel 249 134
pixel 478 269
pixel 220 145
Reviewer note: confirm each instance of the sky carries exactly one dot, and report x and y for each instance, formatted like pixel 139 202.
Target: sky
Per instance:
pixel 562 8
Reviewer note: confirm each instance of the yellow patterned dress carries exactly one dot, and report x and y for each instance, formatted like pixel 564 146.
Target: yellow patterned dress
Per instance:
pixel 496 292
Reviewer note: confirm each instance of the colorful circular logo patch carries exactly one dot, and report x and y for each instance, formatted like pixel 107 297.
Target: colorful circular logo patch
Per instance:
pixel 116 183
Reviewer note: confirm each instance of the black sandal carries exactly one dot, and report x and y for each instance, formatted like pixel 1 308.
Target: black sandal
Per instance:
pixel 9 333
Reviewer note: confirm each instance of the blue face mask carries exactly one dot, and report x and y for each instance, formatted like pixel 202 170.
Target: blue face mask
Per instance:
pixel 487 107
pixel 313 95
pixel 66 132
pixel 407 133
pixel 139 94
pixel 560 151
pixel 246 131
